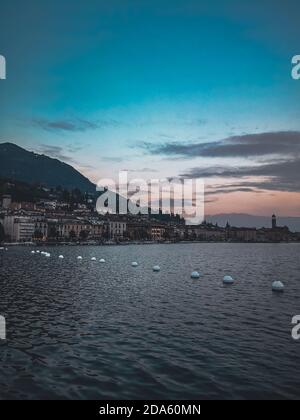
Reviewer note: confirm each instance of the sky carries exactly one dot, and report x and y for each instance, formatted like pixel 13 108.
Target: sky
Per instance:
pixel 168 88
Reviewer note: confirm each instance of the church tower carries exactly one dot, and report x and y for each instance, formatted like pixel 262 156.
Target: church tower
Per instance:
pixel 274 222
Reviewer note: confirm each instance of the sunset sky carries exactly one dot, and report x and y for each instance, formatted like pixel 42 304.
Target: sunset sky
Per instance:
pixel 168 88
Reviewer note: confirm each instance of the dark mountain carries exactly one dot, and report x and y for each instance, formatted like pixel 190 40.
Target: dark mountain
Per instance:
pixel 22 192
pixel 20 165
pixel 247 220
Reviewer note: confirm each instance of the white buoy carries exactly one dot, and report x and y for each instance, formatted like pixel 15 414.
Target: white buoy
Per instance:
pixel 33 252
pixel 278 286
pixel 38 252
pixel 47 255
pixel 156 268
pixel 195 275
pixel 134 264
pixel 94 259
pixel 79 258
pixel 228 280
pixel 102 260
pixel 61 257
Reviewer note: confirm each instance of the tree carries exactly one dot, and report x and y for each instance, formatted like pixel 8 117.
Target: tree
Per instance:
pixel 72 235
pixel 53 233
pixel 38 234
pixel 2 234
pixel 66 196
pixel 83 235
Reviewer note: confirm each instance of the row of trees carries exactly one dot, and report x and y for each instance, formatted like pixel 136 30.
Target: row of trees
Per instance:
pixel 24 192
pixel 54 235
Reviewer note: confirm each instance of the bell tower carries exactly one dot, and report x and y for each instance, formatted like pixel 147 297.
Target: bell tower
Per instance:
pixel 274 222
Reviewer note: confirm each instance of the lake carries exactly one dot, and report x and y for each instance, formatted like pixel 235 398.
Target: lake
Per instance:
pixel 86 330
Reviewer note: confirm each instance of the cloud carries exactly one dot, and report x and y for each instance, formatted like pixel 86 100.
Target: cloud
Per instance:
pixel 232 189
pixel 249 145
pixel 74 148
pixel 72 125
pixel 281 175
pixel 55 152
pixel 112 159
pixel 75 124
pixel 142 170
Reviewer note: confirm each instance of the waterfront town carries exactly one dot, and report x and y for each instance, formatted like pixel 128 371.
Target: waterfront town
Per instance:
pixel 57 222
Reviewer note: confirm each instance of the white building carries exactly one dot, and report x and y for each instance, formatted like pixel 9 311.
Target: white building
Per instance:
pixel 19 228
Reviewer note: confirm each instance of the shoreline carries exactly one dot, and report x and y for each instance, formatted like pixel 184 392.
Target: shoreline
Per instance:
pixel 66 244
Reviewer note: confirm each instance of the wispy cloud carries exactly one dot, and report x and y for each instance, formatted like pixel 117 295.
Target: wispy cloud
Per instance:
pixel 113 159
pixel 141 170
pixel 232 189
pixel 277 176
pixel 72 125
pixel 74 148
pixel 55 152
pixel 248 145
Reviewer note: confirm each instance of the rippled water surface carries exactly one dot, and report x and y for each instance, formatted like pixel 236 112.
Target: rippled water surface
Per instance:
pixel 85 330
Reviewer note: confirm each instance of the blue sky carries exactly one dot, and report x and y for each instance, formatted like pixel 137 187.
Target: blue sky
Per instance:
pixel 111 85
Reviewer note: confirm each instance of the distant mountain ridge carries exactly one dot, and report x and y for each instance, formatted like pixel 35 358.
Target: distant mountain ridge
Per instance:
pixel 21 165
pixel 248 220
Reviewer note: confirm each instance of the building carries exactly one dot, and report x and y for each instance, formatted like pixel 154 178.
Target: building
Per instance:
pixel 157 232
pixel 242 234
pixel 6 201
pixel 178 232
pixel 73 229
pixel 41 229
pixel 205 232
pixel 137 230
pixel 117 229
pixel 68 229
pixel 23 206
pixel 19 228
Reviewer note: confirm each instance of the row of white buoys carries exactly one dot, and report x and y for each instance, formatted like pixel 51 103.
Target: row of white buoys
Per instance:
pixel 226 279
pixel 102 260
pixel 277 286
pixel 61 257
